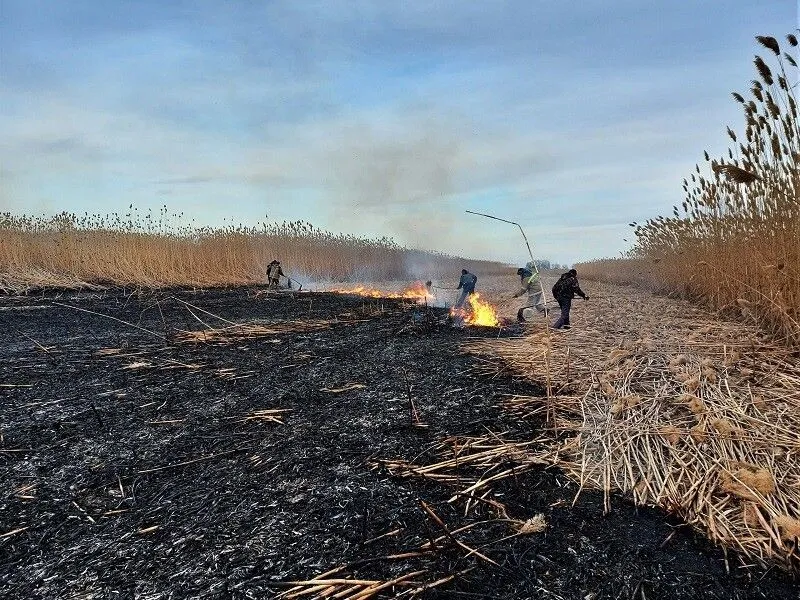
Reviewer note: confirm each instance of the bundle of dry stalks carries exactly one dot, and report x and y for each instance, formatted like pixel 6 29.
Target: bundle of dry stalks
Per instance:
pixel 733 242
pixel 238 331
pixel 661 401
pixel 326 586
pixel 473 464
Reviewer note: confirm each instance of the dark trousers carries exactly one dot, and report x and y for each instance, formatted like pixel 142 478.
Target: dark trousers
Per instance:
pixel 465 293
pixel 563 321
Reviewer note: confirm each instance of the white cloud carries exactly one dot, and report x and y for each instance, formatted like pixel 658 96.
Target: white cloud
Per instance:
pixel 379 119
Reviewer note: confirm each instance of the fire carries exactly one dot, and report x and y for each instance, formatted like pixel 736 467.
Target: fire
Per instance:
pixel 417 291
pixel 479 312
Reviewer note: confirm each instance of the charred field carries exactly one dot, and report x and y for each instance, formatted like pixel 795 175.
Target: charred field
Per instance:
pixel 232 444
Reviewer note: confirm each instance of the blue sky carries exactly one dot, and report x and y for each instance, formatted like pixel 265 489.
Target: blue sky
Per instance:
pixel 376 118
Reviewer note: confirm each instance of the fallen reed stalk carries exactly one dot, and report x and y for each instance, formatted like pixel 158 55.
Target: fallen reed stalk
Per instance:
pixel 226 335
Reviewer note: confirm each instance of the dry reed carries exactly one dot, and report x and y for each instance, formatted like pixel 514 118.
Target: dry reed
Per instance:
pixel 147 250
pixel 656 399
pixel 238 331
pixel 734 242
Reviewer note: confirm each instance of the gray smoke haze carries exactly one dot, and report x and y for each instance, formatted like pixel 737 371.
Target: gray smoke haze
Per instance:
pixel 406 178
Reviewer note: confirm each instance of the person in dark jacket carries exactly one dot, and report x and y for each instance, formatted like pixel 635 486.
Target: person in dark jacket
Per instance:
pixel 274 273
pixel 564 291
pixel 467 286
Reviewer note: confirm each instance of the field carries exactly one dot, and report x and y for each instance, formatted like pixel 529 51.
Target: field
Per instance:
pixel 241 444
pixel 171 429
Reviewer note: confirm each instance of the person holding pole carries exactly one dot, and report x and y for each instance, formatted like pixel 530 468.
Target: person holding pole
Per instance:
pixel 531 285
pixel 527 245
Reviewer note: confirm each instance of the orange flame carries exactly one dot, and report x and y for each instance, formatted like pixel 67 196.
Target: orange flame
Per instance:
pixel 479 312
pixel 417 291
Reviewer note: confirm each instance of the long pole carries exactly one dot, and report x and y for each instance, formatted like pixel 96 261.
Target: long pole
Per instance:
pixel 550 415
pixel 530 252
pixel 521 230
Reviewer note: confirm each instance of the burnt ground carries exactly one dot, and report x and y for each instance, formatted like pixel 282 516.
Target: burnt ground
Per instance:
pixel 129 468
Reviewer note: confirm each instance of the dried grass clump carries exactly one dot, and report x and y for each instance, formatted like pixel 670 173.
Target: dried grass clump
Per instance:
pixel 724 426
pixel 625 402
pixel 747 482
pixel 632 400
pixel 789 527
pixel 732 358
pixel 692 384
pixel 608 389
pixel 619 356
pixel 240 331
pixel 709 375
pixel 617 407
pixel 698 433
pixel 696 405
pixel 671 434
pixel 535 524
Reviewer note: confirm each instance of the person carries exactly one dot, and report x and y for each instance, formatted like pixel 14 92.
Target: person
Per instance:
pixel 529 277
pixel 274 273
pixel 564 291
pixel 467 286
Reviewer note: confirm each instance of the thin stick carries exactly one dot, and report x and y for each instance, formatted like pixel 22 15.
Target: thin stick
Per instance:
pixel 91 312
pixel 450 536
pixel 189 462
pixel 13 532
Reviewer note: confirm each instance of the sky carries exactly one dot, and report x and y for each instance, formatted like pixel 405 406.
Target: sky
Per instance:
pixel 377 118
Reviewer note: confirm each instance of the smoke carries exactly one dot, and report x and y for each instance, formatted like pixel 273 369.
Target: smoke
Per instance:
pixel 402 178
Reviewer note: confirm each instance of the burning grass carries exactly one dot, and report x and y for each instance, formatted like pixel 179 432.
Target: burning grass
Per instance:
pixel 417 292
pixel 733 242
pixel 477 312
pixel 675 408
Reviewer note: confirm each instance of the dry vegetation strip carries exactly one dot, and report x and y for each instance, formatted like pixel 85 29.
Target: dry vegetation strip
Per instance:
pixel 66 251
pixel 734 241
pixel 663 402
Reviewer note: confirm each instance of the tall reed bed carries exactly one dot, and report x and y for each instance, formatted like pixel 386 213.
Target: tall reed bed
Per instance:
pixel 151 250
pixel 734 241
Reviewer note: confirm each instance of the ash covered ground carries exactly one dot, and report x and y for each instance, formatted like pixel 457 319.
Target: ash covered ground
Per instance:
pixel 139 461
